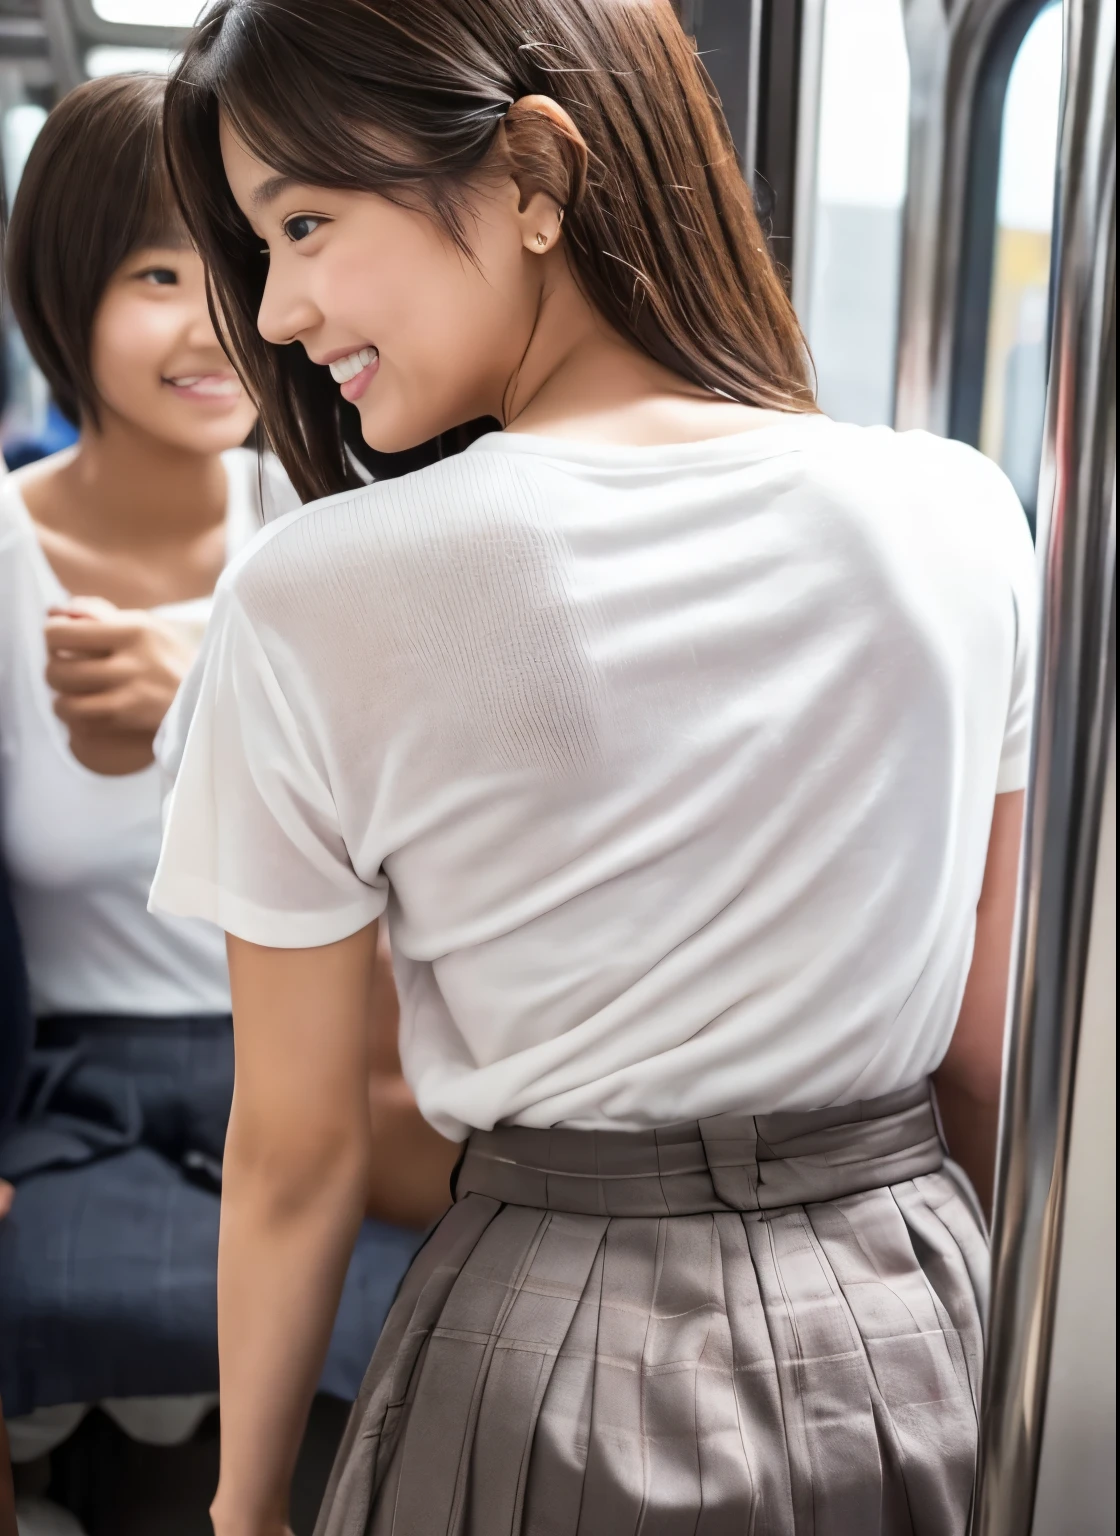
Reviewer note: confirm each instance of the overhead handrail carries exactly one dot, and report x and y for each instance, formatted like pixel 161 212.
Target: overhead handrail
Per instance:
pixel 1076 704
pixel 948 42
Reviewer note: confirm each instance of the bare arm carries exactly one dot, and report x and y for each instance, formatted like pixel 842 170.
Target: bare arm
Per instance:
pixel 968 1080
pixel 294 1190
pixel 410 1163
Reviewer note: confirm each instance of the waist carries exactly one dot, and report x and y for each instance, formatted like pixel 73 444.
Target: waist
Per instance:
pixel 65 1029
pixel 728 1163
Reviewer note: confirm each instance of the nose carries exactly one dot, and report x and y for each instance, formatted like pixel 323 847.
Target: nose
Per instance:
pixel 287 312
pixel 201 336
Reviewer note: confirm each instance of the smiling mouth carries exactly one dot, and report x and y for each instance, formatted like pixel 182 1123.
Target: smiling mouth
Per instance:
pixel 211 386
pixel 343 369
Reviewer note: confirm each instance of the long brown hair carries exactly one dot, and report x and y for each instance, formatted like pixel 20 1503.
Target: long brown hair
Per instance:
pixel 406 98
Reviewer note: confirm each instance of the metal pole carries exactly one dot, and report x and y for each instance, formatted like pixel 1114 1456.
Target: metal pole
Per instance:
pixel 808 135
pixel 1075 708
pixel 63 50
pixel 948 42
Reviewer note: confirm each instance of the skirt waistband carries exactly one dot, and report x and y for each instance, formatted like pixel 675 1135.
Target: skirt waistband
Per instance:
pixel 60 1030
pixel 731 1162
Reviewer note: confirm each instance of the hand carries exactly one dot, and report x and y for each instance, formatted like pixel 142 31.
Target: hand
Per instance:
pixel 225 1525
pixel 114 672
pixel 7 1195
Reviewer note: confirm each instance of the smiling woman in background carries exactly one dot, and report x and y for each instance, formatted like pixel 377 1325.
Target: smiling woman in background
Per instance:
pixel 109 554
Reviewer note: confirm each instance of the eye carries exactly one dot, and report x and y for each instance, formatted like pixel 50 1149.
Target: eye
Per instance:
pixel 163 277
pixel 301 225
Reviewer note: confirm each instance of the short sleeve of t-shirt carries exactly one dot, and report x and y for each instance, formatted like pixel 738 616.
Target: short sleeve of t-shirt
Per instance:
pixel 252 840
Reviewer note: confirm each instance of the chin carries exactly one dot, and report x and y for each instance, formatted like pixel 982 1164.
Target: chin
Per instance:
pixel 388 434
pixel 218 437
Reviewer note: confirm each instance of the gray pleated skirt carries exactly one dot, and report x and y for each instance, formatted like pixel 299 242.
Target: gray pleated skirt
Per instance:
pixel 750 1326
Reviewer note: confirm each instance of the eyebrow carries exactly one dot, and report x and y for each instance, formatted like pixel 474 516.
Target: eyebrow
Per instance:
pixel 269 190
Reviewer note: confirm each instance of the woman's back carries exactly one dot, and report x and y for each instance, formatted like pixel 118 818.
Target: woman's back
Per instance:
pixel 630 733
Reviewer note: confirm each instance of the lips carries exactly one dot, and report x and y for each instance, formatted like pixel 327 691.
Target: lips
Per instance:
pixel 354 371
pixel 206 386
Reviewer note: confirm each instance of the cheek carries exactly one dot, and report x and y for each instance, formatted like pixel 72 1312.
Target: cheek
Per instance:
pixel 440 319
pixel 417 273
pixel 129 345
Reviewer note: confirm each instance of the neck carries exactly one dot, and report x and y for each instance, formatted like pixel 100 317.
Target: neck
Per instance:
pixel 119 474
pixel 567 330
pixel 576 363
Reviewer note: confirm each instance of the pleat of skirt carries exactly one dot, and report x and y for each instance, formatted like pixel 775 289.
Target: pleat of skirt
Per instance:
pixel 748 1326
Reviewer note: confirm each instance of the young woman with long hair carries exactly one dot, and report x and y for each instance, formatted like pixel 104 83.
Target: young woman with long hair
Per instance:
pixel 680 735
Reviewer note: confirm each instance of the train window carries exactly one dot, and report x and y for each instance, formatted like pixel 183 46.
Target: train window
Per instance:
pixel 1013 407
pixel 850 305
pixel 20 129
pixel 25 404
pixel 108 59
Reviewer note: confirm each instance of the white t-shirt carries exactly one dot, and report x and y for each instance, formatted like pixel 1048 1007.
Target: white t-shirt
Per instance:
pixel 80 848
pixel 674 766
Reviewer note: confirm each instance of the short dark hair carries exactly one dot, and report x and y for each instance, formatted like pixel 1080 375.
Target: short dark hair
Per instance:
pixel 95 189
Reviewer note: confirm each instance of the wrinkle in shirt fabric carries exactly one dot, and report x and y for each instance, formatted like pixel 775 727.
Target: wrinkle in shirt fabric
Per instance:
pixel 763 1325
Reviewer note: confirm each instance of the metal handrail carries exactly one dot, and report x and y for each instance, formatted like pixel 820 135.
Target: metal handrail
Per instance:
pixel 810 74
pixel 948 42
pixel 1075 711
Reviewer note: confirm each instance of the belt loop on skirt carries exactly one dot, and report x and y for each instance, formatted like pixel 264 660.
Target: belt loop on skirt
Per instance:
pixel 731 1149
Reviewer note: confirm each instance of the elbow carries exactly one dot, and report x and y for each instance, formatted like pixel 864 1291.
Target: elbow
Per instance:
pixel 287 1170
pixel 977 1081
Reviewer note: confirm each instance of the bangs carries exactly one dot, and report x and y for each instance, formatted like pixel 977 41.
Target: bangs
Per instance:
pixel 159 222
pixel 261 84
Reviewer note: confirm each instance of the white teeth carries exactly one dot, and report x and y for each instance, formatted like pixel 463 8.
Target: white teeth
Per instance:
pixel 347 368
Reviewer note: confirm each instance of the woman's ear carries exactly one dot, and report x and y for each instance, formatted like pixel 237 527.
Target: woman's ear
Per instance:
pixel 547 158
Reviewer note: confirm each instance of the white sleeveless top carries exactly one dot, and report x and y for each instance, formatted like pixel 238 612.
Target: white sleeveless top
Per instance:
pixel 80 848
pixel 674 766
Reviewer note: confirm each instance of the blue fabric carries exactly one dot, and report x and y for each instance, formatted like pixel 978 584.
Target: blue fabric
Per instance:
pixel 108 1259
pixel 57 433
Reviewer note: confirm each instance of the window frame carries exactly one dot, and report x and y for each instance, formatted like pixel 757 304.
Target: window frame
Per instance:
pixel 976 281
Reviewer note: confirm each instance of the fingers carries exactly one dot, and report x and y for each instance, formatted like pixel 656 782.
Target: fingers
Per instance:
pixel 89 636
pixel 112 706
pixel 85 608
pixel 70 673
pixel 7 1195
